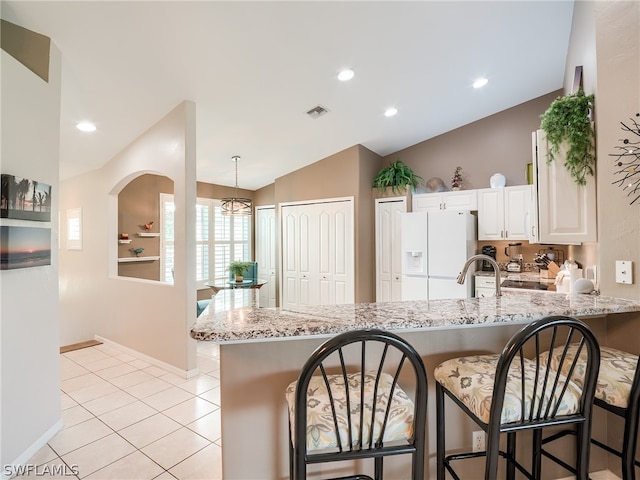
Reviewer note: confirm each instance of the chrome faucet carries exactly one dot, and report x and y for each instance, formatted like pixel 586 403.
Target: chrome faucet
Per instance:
pixel 496 270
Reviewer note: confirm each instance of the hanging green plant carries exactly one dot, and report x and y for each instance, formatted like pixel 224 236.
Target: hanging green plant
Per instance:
pixel 567 119
pixel 397 176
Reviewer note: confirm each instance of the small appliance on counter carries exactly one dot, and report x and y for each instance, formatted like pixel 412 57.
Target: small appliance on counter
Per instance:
pixel 490 251
pixel 515 257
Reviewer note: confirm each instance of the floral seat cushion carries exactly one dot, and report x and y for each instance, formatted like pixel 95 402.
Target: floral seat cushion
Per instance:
pixel 471 380
pixel 320 426
pixel 617 369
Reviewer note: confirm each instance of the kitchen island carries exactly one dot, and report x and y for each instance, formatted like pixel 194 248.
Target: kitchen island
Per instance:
pixel 263 349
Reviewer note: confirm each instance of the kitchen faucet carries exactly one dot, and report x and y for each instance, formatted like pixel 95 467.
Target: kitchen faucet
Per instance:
pixel 493 263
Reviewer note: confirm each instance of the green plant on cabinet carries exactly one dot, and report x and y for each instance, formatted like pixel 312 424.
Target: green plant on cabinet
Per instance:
pixel 397 176
pixel 568 120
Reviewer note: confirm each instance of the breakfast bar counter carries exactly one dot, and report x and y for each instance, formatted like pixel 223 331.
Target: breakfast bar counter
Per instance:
pixel 263 349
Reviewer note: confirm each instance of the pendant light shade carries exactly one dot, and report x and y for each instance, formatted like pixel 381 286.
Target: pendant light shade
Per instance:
pixel 236 205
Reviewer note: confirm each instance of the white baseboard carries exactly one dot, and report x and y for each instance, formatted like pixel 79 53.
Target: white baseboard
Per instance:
pixel 153 361
pixel 24 457
pixel 601 475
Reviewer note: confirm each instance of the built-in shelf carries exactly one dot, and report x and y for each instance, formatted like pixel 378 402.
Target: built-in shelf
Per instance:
pixel 148 234
pixel 122 240
pixel 138 259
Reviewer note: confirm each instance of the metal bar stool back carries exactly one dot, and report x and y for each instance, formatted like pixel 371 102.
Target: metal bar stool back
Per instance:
pixel 618 392
pixel 514 391
pixel 347 404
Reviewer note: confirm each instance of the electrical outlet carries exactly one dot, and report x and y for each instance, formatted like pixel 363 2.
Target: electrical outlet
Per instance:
pixel 478 441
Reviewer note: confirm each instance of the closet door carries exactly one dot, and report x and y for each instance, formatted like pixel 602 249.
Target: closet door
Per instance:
pixel 266 254
pixel 388 248
pixel 317 252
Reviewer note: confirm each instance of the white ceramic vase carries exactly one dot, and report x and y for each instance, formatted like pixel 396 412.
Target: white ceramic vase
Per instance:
pixel 497 180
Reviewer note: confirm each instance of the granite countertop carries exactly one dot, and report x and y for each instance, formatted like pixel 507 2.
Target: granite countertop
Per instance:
pixel 233 315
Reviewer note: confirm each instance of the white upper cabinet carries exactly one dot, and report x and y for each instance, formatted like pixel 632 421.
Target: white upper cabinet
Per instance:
pixel 454 200
pixel 505 213
pixel 566 211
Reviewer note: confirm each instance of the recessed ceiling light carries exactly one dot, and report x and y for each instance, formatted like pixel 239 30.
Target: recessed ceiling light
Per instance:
pixel 346 75
pixel 481 82
pixel 390 112
pixel 86 126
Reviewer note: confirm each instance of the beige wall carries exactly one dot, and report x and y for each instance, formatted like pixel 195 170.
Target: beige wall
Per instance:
pixel 29 299
pixel 499 143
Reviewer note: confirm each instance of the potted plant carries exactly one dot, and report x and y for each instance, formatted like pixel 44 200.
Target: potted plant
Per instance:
pixel 238 268
pixel 568 120
pixel 396 176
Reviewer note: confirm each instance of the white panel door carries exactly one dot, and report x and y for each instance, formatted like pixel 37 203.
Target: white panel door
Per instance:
pixel 388 233
pixel 266 254
pixel 322 251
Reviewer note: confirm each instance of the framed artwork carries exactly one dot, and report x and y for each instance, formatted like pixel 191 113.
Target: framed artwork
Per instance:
pixel 24 247
pixel 24 199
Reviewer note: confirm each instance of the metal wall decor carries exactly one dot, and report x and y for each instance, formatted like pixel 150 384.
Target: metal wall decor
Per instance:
pixel 627 159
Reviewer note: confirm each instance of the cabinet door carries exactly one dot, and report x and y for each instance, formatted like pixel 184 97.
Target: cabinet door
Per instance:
pixel 427 201
pixel 516 207
pixel 566 211
pixel 491 214
pixel 460 200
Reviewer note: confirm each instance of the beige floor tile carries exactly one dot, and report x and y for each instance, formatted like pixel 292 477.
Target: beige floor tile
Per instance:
pixel 116 371
pixel 53 470
pixel 92 392
pixel 148 388
pixel 125 357
pixel 173 379
pixel 72 370
pixel 208 426
pixel 199 384
pixel 155 371
pixel 212 395
pixel 175 447
pixel 75 415
pixel 85 355
pixel 206 463
pixel 190 410
pixel 128 415
pixel 135 466
pixel 66 401
pixel 149 430
pixel 79 435
pixel 207 365
pixel 108 350
pixel 44 455
pixel 82 381
pixel 102 364
pixel 141 364
pixel 165 476
pixel 130 379
pixel 99 454
pixel 109 402
pixel 167 398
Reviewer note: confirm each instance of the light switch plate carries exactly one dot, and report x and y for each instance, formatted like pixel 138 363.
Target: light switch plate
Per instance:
pixel 624 271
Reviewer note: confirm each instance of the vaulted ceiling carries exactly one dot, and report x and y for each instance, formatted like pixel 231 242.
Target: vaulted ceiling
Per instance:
pixel 255 68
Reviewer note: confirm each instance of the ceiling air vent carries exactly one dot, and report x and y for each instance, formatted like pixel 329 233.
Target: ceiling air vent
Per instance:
pixel 317 111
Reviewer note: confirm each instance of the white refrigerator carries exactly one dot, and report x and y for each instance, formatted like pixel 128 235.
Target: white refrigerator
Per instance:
pixel 435 246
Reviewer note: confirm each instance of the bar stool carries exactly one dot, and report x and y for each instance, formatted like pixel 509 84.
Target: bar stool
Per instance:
pixel 347 404
pixel 618 392
pixel 513 391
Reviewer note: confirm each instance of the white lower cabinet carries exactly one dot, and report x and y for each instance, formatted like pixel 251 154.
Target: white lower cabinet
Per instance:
pixel 317 253
pixel 388 217
pixel 505 213
pixel 485 286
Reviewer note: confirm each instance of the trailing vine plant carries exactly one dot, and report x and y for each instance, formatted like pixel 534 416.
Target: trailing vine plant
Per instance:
pixel 567 119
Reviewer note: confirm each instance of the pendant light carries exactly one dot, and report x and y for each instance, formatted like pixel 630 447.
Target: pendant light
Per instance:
pixel 236 206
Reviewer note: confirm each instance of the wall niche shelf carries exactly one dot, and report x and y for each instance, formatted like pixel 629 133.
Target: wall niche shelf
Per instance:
pixel 148 234
pixel 138 259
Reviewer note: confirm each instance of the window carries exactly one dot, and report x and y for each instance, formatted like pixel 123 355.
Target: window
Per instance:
pixel 219 240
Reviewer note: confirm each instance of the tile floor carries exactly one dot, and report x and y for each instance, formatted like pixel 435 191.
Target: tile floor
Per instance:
pixel 125 419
